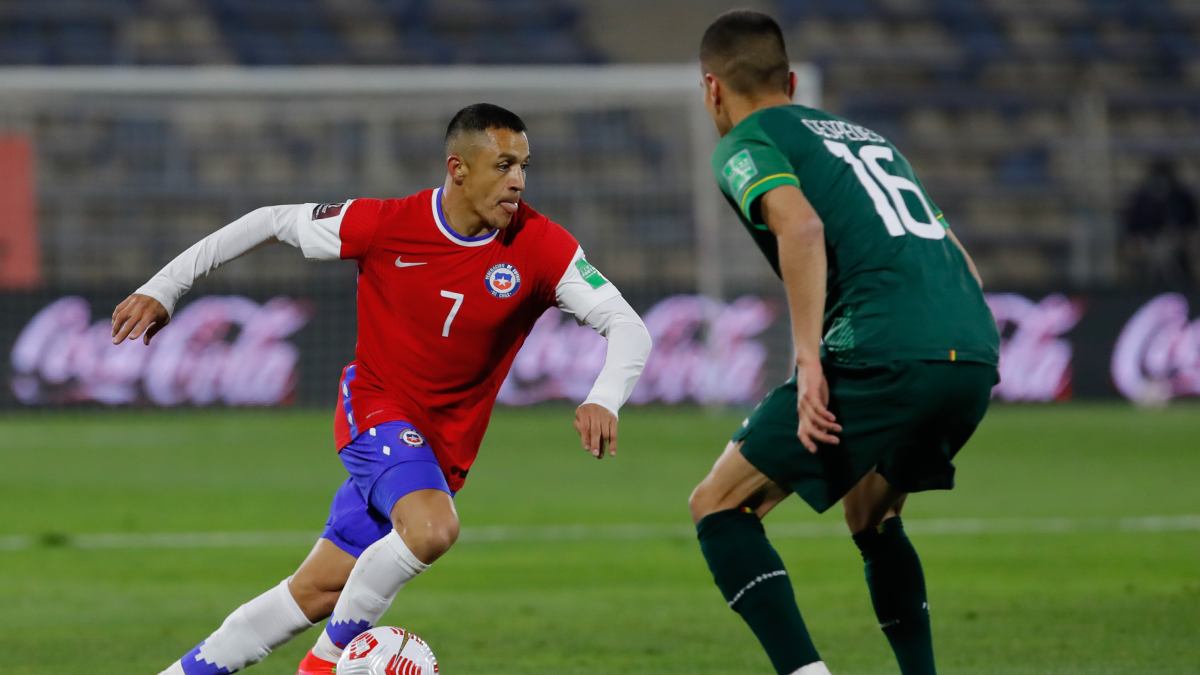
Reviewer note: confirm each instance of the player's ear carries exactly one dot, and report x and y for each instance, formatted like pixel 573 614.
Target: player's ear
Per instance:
pixel 712 89
pixel 791 85
pixel 456 168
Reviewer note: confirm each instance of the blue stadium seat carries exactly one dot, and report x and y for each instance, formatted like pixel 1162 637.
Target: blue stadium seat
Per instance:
pixel 1024 166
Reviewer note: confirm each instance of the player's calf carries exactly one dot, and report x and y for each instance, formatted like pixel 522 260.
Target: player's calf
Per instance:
pixel 756 585
pixel 893 571
pixel 394 472
pixel 246 636
pixel 381 571
pixel 426 526
pixel 727 506
pixel 897 587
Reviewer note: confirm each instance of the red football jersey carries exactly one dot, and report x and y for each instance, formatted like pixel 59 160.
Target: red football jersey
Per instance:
pixel 440 316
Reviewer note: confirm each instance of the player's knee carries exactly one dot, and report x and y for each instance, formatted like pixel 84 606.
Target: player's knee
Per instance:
pixel 314 600
pixel 860 518
pixel 430 540
pixel 870 503
pixel 438 539
pixel 321 605
pixel 858 522
pixel 859 515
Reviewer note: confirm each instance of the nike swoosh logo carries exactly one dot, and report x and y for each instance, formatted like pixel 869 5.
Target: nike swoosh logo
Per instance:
pixel 400 263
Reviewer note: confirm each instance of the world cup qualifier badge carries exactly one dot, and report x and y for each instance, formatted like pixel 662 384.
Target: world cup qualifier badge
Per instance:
pixel 411 437
pixel 327 210
pixel 502 280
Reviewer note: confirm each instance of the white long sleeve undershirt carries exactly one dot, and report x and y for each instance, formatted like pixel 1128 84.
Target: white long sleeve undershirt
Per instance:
pixel 260 226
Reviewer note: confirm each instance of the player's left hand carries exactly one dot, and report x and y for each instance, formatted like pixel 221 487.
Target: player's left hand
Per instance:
pixel 817 423
pixel 597 427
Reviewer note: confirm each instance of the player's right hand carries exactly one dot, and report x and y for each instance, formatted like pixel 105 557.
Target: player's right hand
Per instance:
pixel 597 428
pixel 817 424
pixel 138 316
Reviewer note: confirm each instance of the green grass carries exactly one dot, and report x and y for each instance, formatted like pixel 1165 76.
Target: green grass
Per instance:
pixel 1092 598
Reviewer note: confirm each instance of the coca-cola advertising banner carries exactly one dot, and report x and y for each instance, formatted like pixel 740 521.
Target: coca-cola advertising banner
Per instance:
pixel 268 350
pixel 288 349
pixel 1141 347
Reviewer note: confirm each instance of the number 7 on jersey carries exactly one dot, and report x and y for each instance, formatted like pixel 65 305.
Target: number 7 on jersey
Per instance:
pixel 458 300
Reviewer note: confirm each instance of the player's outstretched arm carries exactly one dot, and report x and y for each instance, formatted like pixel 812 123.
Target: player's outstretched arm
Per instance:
pixel 629 346
pixel 150 307
pixel 800 236
pixel 584 293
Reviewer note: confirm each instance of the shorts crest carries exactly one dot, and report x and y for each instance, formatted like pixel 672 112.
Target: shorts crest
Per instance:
pixel 411 437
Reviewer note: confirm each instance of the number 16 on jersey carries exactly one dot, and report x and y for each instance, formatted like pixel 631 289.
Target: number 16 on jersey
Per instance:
pixel 890 205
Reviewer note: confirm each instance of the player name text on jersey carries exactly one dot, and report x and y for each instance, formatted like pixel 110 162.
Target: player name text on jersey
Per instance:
pixel 836 130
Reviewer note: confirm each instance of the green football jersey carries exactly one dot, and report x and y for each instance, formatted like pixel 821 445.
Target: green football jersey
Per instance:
pixel 898 288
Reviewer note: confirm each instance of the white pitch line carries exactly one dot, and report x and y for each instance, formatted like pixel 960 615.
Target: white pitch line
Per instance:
pixel 618 532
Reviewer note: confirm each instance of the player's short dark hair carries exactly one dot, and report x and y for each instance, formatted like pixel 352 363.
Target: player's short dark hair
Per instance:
pixel 745 49
pixel 479 117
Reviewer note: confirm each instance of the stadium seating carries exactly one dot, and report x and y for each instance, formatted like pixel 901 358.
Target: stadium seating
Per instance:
pixel 994 101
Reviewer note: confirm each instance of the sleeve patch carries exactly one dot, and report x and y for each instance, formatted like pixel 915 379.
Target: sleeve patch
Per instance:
pixel 739 171
pixel 589 273
pixel 321 211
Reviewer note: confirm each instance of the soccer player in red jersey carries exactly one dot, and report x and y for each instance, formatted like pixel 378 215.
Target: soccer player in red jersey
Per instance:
pixel 450 282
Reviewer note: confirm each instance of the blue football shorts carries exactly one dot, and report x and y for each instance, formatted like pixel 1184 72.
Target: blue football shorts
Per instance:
pixel 385 463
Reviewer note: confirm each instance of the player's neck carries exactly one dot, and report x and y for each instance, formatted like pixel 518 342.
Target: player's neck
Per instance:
pixel 459 215
pixel 740 107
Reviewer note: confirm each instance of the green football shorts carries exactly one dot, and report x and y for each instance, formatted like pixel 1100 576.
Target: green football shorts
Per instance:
pixel 905 419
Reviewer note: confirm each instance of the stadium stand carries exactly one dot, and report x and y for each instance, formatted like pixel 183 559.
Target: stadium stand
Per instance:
pixel 972 91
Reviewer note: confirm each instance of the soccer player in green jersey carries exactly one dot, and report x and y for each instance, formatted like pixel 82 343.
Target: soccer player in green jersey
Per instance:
pixel 895 348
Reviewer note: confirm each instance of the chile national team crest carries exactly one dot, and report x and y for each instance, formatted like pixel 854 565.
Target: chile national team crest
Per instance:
pixel 502 280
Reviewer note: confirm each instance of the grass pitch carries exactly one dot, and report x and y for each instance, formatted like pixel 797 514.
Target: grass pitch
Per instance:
pixel 1072 545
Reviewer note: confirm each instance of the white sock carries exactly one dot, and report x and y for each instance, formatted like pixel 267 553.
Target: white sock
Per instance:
pixel 815 668
pixel 248 634
pixel 381 571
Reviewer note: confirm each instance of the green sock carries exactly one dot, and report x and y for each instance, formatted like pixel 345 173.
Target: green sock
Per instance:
pixel 897 587
pixel 755 584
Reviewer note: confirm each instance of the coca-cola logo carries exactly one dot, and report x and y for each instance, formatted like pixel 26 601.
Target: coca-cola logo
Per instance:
pixel 705 351
pixel 1157 356
pixel 1035 358
pixel 218 349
